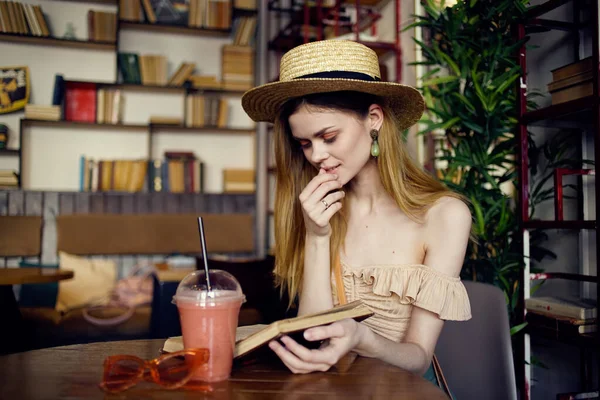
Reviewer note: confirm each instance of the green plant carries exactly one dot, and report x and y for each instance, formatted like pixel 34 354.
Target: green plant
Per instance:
pixel 472 105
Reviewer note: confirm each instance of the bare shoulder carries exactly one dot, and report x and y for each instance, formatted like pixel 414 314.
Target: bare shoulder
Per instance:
pixel 448 228
pixel 449 212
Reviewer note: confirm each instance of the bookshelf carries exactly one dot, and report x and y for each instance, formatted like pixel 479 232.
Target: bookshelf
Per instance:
pixel 168 28
pixel 130 127
pixel 580 113
pixel 57 42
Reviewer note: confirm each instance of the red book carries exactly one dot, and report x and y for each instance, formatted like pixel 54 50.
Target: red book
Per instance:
pixel 80 102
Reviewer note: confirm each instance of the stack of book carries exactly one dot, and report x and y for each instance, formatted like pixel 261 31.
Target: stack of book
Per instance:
pixel 42 112
pixel 8 180
pixel 562 316
pixel 211 14
pixel 205 82
pixel 111 104
pixel 243 30
pixel 22 18
pixel 238 181
pixel 573 81
pixel 237 67
pixel 203 111
pixel 102 26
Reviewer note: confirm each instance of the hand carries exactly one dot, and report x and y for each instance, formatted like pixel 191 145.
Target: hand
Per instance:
pixel 340 337
pixel 317 206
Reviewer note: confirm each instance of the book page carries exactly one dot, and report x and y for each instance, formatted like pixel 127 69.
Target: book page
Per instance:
pixel 175 343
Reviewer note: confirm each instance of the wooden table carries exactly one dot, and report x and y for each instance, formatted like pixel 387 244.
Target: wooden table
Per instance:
pixel 75 371
pixel 11 334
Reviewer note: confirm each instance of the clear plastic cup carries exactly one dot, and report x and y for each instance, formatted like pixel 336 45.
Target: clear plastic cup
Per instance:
pixel 209 319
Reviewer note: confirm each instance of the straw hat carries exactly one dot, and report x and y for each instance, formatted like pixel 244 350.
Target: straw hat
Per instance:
pixel 331 66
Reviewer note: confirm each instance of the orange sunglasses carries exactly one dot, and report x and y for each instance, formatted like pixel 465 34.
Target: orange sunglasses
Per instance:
pixel 170 371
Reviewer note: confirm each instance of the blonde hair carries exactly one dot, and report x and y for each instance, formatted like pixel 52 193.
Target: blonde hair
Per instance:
pixel 413 189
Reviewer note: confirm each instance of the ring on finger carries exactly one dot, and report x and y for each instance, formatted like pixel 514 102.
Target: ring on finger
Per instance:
pixel 325 203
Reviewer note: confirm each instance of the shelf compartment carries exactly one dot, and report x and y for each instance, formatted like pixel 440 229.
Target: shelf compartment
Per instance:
pixel 582 340
pixel 538 224
pixel 10 152
pixel 203 129
pixel 541 9
pixel 130 86
pixel 57 42
pixel 564 275
pixel 574 110
pixel 157 27
pixel 76 124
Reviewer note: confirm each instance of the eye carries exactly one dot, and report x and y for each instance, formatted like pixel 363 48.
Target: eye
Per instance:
pixel 304 143
pixel 330 138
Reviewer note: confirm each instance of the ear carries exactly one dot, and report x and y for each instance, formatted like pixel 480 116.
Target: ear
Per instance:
pixel 375 117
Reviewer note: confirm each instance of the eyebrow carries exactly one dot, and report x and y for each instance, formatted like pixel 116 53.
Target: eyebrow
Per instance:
pixel 316 134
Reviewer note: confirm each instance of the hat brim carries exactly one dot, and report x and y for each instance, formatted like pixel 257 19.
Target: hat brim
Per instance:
pixel 263 103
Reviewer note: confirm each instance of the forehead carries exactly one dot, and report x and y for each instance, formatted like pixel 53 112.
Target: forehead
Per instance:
pixel 308 119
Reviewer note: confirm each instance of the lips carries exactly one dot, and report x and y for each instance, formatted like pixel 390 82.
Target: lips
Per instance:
pixel 331 170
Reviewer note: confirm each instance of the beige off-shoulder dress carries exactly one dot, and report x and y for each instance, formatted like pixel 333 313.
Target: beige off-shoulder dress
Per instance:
pixel 391 292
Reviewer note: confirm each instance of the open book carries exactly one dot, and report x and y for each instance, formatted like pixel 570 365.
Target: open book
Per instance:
pixel 249 338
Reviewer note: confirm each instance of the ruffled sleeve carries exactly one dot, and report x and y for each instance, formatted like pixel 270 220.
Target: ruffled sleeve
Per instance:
pixel 422 287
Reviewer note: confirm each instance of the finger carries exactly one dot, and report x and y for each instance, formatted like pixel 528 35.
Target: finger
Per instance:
pixel 335 330
pixel 334 197
pixel 314 184
pixel 326 356
pixel 322 191
pixel 321 171
pixel 292 361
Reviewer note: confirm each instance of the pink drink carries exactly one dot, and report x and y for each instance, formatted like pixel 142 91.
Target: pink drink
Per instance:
pixel 209 319
pixel 211 325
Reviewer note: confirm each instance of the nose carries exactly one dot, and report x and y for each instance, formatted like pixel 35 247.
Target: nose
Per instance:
pixel 318 154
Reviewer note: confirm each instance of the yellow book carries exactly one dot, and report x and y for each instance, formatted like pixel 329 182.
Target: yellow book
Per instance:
pixel 250 338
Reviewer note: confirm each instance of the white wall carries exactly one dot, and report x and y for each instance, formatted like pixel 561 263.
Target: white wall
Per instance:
pixel 51 154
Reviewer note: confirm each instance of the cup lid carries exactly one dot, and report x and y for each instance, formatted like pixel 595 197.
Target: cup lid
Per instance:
pixel 224 288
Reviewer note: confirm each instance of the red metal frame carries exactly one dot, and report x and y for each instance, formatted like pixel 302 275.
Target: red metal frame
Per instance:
pixel 558 187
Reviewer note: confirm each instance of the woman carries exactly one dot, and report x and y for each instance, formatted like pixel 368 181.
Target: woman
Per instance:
pixel 353 210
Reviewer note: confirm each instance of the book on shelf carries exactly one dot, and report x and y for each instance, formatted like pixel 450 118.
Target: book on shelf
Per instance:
pixel 102 26
pixel 236 180
pixel 244 29
pixel 572 81
pixel 174 174
pixel 253 337
pixel 162 120
pixel 26 19
pixel 130 10
pixel 210 14
pixel 237 65
pixel 563 307
pixel 129 68
pixel 80 102
pixel 182 74
pixel 8 179
pixel 566 325
pixel 42 112
pixel 249 5
pixel 110 106
pixel 206 111
pixel 153 69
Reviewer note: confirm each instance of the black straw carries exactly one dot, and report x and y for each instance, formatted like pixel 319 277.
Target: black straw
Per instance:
pixel 203 243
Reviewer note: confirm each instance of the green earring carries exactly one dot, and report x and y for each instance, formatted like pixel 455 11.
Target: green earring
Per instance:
pixel 375 144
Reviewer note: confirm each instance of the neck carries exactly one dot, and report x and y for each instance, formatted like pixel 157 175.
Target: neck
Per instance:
pixel 366 192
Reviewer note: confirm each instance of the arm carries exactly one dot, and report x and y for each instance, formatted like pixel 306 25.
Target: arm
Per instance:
pixel 316 280
pixel 447 234
pixel 448 226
